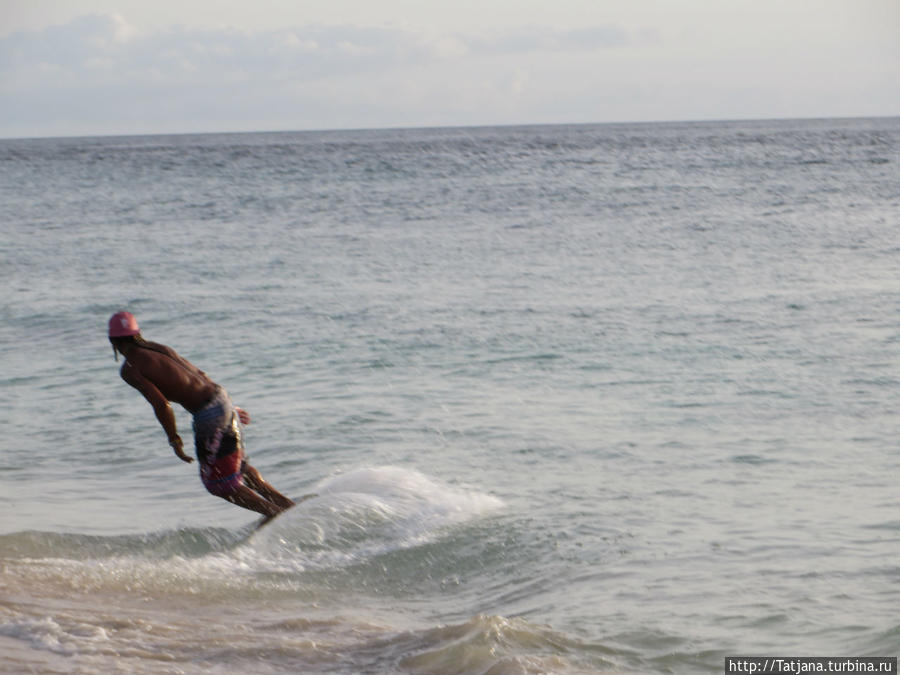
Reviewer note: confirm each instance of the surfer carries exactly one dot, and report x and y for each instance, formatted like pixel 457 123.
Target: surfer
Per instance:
pixel 163 376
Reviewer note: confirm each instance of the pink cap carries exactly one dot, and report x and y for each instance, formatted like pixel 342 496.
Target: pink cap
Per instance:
pixel 123 324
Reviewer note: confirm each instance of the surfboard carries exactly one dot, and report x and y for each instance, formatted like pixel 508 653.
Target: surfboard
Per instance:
pixel 267 520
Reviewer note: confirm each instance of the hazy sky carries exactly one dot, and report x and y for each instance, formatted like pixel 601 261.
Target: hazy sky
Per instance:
pixel 86 67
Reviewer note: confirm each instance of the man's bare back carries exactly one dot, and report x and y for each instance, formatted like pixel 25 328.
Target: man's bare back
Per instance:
pixel 176 378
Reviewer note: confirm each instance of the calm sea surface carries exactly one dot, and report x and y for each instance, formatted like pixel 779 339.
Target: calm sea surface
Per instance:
pixel 619 398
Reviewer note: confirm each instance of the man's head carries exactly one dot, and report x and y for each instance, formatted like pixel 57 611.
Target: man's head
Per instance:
pixel 123 324
pixel 123 328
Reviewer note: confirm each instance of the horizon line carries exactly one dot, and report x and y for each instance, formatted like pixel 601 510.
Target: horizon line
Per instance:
pixel 506 125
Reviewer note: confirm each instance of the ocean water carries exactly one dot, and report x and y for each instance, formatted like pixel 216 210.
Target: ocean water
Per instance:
pixel 575 399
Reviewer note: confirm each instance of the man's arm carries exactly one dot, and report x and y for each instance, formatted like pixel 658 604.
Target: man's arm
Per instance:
pixel 161 408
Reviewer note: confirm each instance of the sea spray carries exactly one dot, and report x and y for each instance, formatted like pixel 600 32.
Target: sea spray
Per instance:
pixel 362 514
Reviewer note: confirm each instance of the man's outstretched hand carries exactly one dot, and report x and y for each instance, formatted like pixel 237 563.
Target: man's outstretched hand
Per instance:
pixel 178 447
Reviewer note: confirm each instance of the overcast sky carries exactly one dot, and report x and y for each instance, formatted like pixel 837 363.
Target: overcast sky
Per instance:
pixel 89 67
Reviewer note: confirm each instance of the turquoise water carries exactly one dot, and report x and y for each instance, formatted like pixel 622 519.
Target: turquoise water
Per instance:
pixel 613 398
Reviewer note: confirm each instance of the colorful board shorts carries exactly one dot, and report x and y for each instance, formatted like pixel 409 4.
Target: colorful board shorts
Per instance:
pixel 220 448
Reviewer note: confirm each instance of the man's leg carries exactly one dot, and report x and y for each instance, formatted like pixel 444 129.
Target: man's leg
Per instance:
pixel 255 481
pixel 244 496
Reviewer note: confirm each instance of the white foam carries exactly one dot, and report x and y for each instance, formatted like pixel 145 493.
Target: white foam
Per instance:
pixel 364 513
pixel 411 491
pixel 48 634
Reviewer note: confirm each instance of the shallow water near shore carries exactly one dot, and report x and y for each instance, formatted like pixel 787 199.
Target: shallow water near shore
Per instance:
pixel 615 398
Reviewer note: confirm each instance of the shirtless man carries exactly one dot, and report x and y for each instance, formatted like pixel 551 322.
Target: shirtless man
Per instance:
pixel 161 375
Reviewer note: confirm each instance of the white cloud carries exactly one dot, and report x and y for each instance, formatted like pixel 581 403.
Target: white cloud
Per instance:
pixel 289 41
pixel 101 74
pixel 322 48
pixel 448 46
pixel 102 57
